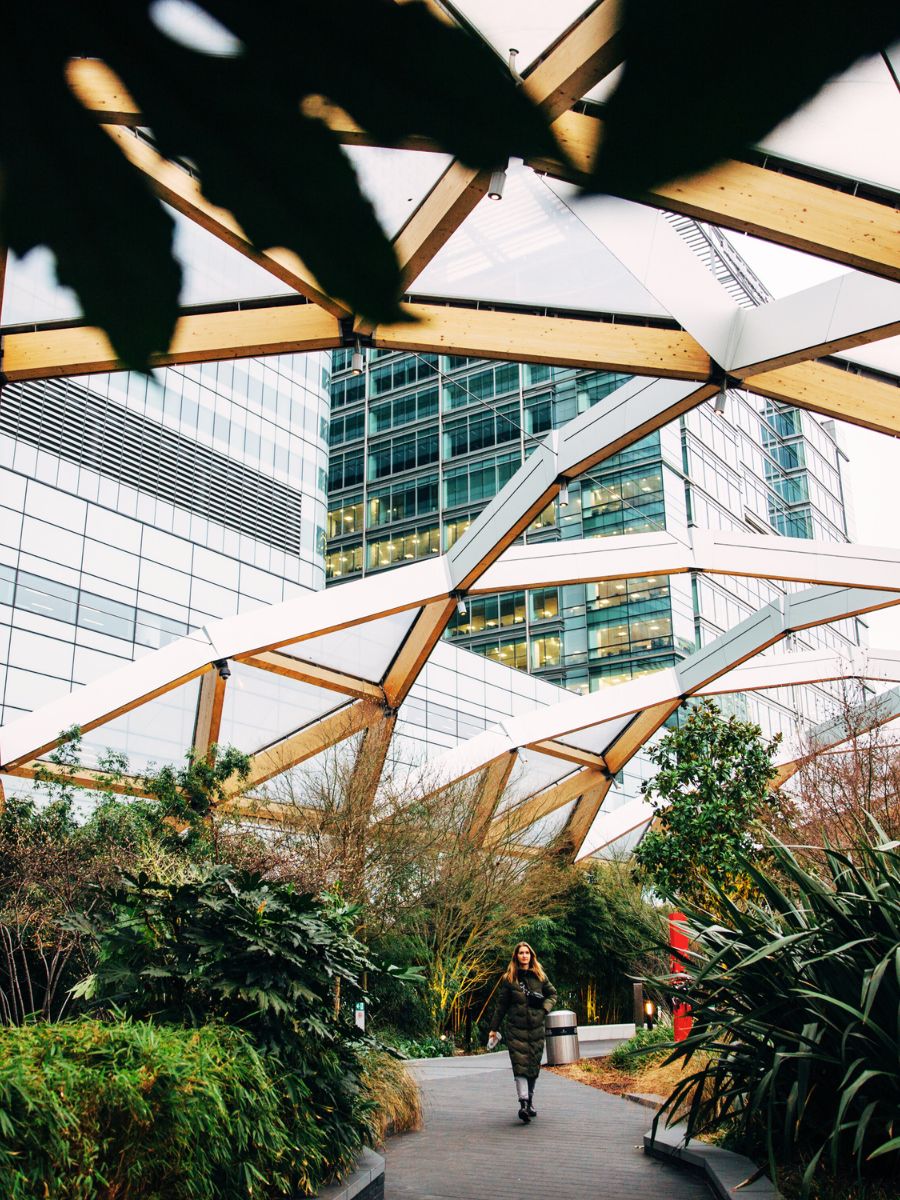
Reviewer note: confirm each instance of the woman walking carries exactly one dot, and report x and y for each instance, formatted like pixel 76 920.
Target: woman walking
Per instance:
pixel 526 996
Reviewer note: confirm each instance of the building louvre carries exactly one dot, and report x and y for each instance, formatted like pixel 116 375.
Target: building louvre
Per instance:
pixel 62 418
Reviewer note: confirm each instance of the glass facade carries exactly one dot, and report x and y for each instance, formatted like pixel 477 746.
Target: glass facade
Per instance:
pixel 440 435
pixel 133 510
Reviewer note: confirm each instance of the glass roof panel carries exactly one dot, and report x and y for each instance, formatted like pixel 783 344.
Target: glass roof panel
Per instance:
pixel 214 271
pixel 880 356
pixel 532 773
pixel 542 832
pixel 623 846
pixel 396 181
pixel 850 127
pixel 365 651
pixel 158 733
pixel 534 247
pixel 260 707
pixel 782 270
pixel 528 26
pixel 598 737
pixel 31 292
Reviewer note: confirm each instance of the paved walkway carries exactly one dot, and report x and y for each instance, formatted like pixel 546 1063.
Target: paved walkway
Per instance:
pixel 584 1145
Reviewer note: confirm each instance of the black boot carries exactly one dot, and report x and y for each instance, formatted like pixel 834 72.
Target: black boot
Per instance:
pixel 523 1111
pixel 529 1106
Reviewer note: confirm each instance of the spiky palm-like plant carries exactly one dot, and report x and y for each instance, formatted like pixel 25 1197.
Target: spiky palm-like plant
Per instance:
pixel 796 1007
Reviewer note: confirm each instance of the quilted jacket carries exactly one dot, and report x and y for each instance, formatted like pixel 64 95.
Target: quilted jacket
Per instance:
pixel 524 1024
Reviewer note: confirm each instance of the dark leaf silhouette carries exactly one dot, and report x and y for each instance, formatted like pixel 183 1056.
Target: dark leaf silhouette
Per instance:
pixel 704 81
pixel 396 68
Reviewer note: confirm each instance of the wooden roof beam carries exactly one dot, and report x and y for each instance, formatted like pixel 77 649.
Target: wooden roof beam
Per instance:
pixel 563 341
pixel 777 207
pixel 577 61
pixel 290 667
pixel 297 747
pixel 201 337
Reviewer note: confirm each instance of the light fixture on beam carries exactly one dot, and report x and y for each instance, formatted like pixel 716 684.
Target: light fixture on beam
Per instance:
pixel 513 69
pixel 721 402
pixel 460 603
pixel 497 183
pixel 564 495
pixel 357 362
pixel 221 665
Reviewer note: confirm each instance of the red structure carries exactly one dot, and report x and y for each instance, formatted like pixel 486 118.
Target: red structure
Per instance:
pixel 679 944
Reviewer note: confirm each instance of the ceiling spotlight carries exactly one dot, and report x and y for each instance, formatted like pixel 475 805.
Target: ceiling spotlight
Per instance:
pixel 221 665
pixel 357 362
pixel 721 400
pixel 564 495
pixel 498 182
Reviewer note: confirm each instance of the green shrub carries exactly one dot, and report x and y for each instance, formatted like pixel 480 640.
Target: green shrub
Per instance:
pixel 430 1046
pixel 646 1045
pixel 229 946
pixel 91 1110
pixel 796 1003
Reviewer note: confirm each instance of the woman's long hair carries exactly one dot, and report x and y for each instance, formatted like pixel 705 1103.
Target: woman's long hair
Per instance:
pixel 534 966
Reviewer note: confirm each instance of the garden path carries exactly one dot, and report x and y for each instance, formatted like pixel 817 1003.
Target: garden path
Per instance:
pixel 585 1144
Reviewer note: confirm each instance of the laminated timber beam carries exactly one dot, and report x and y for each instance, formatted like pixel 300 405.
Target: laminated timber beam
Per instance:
pixel 306 672
pixel 199 337
pixel 493 782
pixel 577 61
pixel 83 777
pixel 833 392
pixel 573 754
pixel 210 704
pixel 535 808
pixel 582 817
pixel 563 341
pixel 422 638
pixel 370 759
pixel 777 207
pixel 102 92
pixel 305 743
pixel 438 217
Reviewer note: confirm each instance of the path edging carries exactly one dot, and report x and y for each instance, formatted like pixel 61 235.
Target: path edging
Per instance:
pixel 366 1182
pixel 723 1170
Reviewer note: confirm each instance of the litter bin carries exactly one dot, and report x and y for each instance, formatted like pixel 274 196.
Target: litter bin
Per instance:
pixel 561 1028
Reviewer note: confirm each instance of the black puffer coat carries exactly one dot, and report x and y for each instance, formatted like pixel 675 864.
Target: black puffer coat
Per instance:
pixel 524 1024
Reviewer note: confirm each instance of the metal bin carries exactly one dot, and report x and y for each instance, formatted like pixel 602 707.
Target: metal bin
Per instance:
pixel 562 1038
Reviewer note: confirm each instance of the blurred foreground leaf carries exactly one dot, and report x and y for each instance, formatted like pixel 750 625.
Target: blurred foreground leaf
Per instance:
pixel 396 68
pixel 706 80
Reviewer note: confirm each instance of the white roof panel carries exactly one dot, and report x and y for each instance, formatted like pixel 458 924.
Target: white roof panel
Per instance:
pixel 261 707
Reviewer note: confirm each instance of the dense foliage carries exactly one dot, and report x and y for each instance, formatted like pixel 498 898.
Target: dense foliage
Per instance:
pixel 92 1110
pixel 712 783
pixel 646 1045
pixel 796 1006
pixel 602 935
pixel 227 945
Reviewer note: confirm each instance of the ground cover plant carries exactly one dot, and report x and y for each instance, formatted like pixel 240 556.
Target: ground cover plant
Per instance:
pixel 795 999
pixel 94 1110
